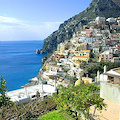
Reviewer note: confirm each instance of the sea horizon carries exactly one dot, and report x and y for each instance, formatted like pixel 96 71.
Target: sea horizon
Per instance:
pixel 18 40
pixel 19 61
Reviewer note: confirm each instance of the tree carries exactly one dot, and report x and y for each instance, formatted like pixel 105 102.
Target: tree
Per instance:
pixel 4 100
pixel 91 70
pixel 79 99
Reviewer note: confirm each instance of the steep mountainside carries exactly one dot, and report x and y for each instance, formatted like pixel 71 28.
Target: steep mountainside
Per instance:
pixel 103 8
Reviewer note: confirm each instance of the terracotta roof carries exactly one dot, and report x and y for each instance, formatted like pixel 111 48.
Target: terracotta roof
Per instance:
pixel 54 65
pixel 96 41
pixel 85 50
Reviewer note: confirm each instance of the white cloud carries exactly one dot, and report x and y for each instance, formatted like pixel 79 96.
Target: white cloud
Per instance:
pixel 15 29
pixel 9 20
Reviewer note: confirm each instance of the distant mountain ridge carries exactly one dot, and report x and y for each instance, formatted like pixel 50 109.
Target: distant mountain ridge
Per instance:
pixel 103 8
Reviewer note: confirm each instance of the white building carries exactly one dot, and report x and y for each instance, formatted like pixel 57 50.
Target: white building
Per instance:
pixel 100 19
pixel 54 69
pixel 64 61
pixel 106 56
pixel 88 40
pixel 96 50
pixel 108 75
pixel 75 72
pixel 27 93
pixel 111 20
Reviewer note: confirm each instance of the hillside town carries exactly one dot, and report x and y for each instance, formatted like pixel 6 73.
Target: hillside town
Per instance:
pixel 60 60
pixel 69 64
pixel 99 41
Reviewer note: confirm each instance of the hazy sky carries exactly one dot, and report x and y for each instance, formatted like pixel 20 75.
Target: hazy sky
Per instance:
pixel 35 19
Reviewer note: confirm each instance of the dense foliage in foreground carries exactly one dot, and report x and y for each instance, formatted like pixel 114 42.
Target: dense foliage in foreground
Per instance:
pixel 79 99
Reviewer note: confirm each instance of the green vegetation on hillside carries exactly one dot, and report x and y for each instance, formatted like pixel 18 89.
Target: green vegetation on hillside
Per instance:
pixel 92 69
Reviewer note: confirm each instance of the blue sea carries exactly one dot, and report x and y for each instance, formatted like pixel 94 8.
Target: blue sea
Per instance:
pixel 19 62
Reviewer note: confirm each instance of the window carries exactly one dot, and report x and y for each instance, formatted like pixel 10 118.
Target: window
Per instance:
pixel 33 96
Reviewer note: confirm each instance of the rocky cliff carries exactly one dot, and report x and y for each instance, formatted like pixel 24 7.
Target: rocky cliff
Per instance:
pixel 103 8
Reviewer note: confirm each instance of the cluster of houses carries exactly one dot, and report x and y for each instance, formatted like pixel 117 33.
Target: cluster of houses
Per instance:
pixel 71 55
pixel 65 62
pixel 64 65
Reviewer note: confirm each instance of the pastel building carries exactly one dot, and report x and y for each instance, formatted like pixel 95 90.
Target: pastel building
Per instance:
pixel 87 80
pixel 87 32
pixel 61 47
pixel 106 56
pixel 81 58
pixel 83 55
pixel 81 46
